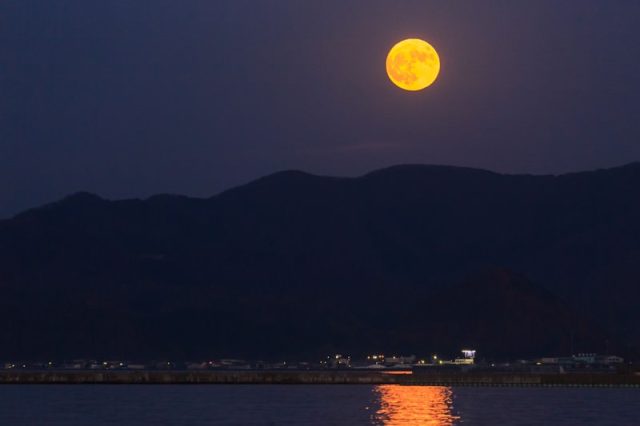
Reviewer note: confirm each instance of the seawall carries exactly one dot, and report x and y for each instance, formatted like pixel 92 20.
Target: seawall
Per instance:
pixel 344 377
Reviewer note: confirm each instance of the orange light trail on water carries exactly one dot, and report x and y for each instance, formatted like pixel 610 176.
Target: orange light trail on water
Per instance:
pixel 415 406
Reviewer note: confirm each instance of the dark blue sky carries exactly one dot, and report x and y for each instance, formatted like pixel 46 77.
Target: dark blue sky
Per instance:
pixel 127 99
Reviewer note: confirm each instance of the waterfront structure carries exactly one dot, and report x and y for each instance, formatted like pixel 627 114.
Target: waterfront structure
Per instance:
pixel 583 361
pixel 339 361
pixel 468 357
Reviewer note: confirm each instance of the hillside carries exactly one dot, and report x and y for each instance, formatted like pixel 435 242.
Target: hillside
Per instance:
pixel 301 265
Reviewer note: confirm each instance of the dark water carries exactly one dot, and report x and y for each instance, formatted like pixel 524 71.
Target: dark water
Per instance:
pixel 314 405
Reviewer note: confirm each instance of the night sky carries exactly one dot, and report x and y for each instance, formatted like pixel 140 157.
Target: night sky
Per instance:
pixel 132 98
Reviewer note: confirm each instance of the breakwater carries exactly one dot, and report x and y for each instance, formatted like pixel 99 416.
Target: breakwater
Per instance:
pixel 324 377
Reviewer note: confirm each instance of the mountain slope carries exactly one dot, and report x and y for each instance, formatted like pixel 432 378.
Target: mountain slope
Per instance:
pixel 296 264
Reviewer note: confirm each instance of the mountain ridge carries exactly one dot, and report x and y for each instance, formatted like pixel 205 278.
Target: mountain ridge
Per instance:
pixel 631 166
pixel 297 264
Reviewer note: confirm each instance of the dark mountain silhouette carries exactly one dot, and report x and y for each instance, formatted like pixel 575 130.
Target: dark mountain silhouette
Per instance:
pixel 410 258
pixel 507 315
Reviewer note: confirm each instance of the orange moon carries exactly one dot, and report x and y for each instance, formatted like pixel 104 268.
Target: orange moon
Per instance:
pixel 413 64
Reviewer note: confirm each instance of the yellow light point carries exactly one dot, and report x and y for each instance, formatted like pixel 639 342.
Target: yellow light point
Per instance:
pixel 413 64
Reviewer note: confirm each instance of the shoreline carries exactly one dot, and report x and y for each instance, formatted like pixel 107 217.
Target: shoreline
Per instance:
pixel 321 377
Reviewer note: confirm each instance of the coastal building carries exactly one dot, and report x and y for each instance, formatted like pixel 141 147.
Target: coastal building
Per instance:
pixel 75 365
pixel 468 357
pixel 582 361
pixel 376 358
pixel 339 361
pixel 400 361
pixel 611 360
pixel 136 366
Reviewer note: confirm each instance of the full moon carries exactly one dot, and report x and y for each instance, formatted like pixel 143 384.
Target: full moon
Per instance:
pixel 413 64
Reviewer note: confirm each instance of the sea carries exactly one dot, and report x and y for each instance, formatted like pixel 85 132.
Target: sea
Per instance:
pixel 124 405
